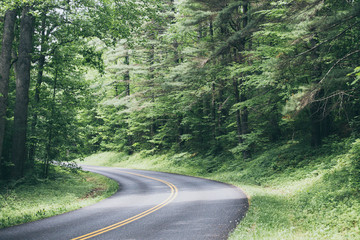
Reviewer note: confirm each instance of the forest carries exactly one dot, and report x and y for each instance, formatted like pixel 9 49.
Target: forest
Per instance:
pixel 206 77
pixel 219 82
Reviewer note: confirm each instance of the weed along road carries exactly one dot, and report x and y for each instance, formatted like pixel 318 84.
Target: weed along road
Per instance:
pixel 148 205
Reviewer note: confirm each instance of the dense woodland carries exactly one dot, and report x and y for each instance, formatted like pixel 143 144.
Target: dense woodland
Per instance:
pixel 211 77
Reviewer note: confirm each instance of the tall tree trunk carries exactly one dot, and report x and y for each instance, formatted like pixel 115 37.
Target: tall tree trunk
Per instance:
pixel 180 129
pixel 129 139
pixel 39 80
pixel 152 85
pixel 316 117
pixel 127 74
pixel 213 112
pixel 242 115
pixel 22 93
pixel 213 90
pixel 33 144
pixel 315 128
pixel 211 32
pixel 238 115
pixel 5 65
pixel 244 118
pixel 49 146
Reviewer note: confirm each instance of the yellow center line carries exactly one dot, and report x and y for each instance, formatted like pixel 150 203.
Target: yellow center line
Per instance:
pixel 173 194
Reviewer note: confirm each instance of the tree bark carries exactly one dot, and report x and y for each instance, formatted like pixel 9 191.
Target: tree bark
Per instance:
pixel 5 65
pixel 213 112
pixel 152 85
pixel 315 108
pixel 49 145
pixel 129 139
pixel 242 115
pixel 39 80
pixel 23 68
pixel 244 118
pixel 315 132
pixel 238 115
pixel 33 144
pixel 127 74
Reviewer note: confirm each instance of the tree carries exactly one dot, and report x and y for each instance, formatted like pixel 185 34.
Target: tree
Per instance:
pixel 58 24
pixel 5 65
pixel 22 70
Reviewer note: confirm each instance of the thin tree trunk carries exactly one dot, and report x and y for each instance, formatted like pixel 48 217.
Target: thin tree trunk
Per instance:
pixel 244 118
pixel 242 115
pixel 315 130
pixel 315 108
pixel 211 31
pixel 39 80
pixel 129 138
pixel 213 90
pixel 50 129
pixel 5 65
pixel 180 133
pixel 127 74
pixel 22 93
pixel 238 117
pixel 33 145
pixel 316 120
pixel 152 84
pixel 221 109
pixel 213 112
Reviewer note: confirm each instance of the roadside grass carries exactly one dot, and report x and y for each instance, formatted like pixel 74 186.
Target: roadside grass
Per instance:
pixel 63 192
pixel 142 161
pixel 295 192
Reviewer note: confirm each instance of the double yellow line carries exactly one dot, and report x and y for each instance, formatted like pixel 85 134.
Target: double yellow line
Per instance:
pixel 173 194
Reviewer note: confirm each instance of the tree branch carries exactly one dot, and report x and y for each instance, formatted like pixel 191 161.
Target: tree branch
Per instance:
pixel 337 62
pixel 326 41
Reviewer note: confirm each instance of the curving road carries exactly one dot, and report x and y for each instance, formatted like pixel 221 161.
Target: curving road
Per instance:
pixel 149 205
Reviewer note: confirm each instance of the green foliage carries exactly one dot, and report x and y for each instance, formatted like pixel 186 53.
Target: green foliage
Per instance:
pixel 218 77
pixel 64 33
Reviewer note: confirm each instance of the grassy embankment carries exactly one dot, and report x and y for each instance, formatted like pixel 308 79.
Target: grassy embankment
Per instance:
pixel 34 199
pixel 296 192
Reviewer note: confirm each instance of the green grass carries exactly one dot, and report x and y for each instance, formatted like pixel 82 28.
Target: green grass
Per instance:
pixel 63 192
pixel 295 192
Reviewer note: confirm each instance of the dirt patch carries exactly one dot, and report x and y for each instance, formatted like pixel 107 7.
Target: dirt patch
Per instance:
pixel 94 193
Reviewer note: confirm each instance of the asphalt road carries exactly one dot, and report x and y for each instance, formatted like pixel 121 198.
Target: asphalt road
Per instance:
pixel 148 206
